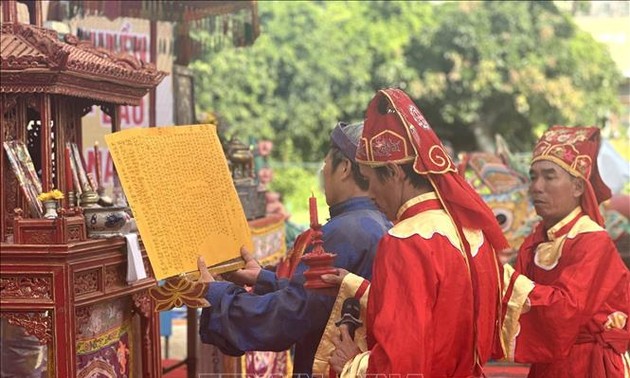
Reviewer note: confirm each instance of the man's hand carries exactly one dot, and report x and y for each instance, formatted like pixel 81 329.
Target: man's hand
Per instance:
pixel 247 275
pixel 204 276
pixel 345 350
pixel 335 279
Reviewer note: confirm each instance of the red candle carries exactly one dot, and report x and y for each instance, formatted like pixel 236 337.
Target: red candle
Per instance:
pixel 97 166
pixel 312 207
pixel 69 184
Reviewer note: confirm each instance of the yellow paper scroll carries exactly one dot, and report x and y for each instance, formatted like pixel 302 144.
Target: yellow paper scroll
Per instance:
pixel 180 190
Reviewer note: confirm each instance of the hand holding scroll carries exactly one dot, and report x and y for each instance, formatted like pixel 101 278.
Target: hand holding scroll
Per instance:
pixel 247 275
pixel 204 275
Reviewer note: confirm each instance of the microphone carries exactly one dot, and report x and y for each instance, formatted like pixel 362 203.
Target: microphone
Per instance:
pixel 350 312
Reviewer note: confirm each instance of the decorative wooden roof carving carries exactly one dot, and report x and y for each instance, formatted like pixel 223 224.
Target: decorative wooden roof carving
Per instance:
pixel 33 59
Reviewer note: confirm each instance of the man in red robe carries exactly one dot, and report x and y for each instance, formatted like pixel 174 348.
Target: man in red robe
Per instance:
pixel 567 300
pixel 434 300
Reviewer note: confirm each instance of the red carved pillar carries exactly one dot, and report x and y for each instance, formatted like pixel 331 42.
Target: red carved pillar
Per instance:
pixel 65 343
pixel 150 327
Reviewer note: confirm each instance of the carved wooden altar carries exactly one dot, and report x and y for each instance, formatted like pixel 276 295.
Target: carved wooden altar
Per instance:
pixel 68 294
pixel 52 290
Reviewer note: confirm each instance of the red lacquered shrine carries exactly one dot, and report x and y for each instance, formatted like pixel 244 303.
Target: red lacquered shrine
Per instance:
pixel 64 299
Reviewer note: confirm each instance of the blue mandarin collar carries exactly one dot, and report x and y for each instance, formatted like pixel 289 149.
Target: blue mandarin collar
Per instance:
pixel 355 203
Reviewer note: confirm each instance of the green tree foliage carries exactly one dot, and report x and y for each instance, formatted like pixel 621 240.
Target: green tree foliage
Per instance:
pixel 475 69
pixel 509 67
pixel 313 65
pixel 296 183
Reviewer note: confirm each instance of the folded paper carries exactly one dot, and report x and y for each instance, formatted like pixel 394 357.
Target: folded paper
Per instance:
pixel 135 267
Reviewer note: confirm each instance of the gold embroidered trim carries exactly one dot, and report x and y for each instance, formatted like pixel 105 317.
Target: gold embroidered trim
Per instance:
pixel 584 225
pixel 351 283
pixel 569 168
pixel 357 367
pixel 517 304
pixel 551 233
pixel 548 254
pixel 85 346
pixel 394 135
pixel 616 320
pixel 413 201
pixel 437 222
pixel 374 164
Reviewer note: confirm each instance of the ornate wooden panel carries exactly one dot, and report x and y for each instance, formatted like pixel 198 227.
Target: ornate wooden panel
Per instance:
pixel 87 282
pixel 115 277
pixel 82 315
pixel 21 286
pixel 58 292
pixel 38 324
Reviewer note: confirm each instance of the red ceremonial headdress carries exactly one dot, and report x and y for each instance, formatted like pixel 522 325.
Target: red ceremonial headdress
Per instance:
pixel 395 131
pixel 575 150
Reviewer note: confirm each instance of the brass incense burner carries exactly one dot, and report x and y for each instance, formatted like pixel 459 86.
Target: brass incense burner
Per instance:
pixel 241 162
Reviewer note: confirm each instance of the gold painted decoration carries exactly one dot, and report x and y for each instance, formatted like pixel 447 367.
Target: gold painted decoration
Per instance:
pixel 177 292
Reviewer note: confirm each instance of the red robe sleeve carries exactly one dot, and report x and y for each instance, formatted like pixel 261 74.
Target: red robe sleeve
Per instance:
pixel 402 295
pixel 590 281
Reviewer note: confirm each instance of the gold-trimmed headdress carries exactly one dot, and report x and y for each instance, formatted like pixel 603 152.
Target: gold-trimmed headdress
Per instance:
pixel 575 149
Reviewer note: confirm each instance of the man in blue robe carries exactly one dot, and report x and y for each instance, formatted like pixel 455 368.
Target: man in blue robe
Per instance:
pixel 281 312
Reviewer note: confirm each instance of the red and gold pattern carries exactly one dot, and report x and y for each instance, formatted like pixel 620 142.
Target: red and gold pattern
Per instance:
pixel 71 67
pixel 560 145
pixel 395 131
pixel 266 364
pixel 177 292
pixel 107 354
pixel 567 316
pixel 268 235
